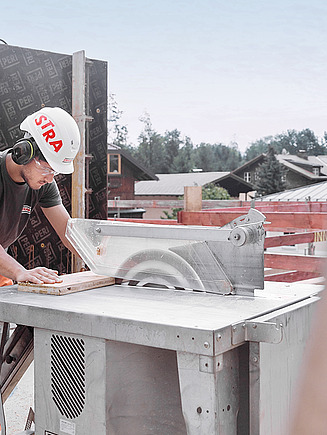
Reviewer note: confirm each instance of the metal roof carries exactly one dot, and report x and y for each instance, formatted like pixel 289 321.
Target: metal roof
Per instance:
pixel 293 166
pixel 173 184
pixel 321 160
pixel 295 163
pixel 313 192
pixel 310 161
pixel 293 158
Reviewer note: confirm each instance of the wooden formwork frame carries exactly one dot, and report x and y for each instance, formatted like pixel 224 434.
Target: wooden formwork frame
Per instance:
pixel 308 221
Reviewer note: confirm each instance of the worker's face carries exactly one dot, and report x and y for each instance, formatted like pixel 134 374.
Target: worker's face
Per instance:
pixel 37 173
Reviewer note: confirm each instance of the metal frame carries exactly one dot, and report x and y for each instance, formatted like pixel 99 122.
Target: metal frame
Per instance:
pixel 224 381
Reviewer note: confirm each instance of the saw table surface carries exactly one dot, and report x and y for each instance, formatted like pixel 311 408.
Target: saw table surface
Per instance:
pixel 172 319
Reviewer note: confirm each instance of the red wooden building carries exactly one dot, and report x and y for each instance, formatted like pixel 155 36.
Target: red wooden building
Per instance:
pixel 123 172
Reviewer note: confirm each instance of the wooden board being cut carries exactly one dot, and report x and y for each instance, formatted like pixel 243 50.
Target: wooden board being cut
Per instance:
pixel 74 282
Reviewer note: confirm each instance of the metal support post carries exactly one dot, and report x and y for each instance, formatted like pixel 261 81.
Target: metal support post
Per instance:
pixel 209 388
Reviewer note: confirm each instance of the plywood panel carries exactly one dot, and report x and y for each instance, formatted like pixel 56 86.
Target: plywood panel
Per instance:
pixel 74 282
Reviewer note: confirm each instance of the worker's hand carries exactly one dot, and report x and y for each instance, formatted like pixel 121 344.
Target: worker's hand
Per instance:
pixel 39 275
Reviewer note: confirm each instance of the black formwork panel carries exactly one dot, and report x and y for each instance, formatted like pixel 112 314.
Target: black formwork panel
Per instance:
pixel 29 79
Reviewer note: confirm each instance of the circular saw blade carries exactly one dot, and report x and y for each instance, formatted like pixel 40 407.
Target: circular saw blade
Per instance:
pixel 161 268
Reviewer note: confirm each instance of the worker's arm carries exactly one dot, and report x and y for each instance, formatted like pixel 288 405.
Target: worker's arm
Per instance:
pixel 10 268
pixel 58 217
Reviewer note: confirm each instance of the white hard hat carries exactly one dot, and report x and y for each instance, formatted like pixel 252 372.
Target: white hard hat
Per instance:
pixel 57 136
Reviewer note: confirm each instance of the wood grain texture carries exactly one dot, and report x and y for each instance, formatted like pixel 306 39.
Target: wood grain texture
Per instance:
pixel 74 282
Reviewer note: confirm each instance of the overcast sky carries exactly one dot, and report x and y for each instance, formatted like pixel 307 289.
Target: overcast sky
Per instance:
pixel 216 70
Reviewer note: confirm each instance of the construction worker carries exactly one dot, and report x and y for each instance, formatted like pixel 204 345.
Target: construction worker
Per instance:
pixel 49 146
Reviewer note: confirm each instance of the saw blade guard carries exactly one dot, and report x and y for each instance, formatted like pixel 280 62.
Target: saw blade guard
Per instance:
pixel 215 260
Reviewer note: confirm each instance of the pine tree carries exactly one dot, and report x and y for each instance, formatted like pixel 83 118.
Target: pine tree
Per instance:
pixel 150 151
pixel 171 146
pixel 270 175
pixel 183 162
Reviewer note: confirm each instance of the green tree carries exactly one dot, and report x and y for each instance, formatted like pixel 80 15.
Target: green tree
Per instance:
pixel 173 215
pixel 324 140
pixel 204 157
pixel 286 141
pixel 117 133
pixel 150 151
pixel 171 144
pixel 307 141
pixel 258 147
pixel 183 162
pixel 292 142
pixel 226 158
pixel 216 157
pixel 270 175
pixel 211 191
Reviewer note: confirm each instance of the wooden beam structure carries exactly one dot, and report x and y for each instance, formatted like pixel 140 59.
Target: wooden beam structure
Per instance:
pixel 304 263
pixel 236 205
pixel 287 206
pixel 292 276
pixel 275 221
pixel 294 239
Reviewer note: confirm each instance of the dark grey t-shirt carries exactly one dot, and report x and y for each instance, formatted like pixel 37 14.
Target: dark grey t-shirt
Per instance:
pixel 17 202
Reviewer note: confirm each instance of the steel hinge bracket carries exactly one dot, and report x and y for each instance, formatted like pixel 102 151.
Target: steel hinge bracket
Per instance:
pixel 249 330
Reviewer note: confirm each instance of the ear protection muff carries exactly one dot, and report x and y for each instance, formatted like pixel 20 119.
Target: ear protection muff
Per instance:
pixel 23 151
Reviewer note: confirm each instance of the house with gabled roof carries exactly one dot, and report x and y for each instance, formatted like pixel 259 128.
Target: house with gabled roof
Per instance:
pixel 300 170
pixel 171 186
pixel 123 172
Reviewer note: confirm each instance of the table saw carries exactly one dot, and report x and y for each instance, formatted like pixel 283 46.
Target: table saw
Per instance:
pixel 188 341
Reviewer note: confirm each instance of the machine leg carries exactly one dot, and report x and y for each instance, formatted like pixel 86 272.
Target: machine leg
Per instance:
pixel 17 356
pixel 209 392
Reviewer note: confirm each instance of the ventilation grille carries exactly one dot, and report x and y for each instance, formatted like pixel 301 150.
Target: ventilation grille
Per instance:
pixel 68 374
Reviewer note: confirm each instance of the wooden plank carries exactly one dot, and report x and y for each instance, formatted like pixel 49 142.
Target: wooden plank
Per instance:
pixel 278 207
pixel 292 276
pixel 291 239
pixel 304 263
pixel 192 198
pixel 294 239
pixel 71 283
pixel 237 205
pixel 289 221
pixel 296 220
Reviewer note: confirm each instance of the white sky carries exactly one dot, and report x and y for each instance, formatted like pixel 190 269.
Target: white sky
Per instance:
pixel 216 70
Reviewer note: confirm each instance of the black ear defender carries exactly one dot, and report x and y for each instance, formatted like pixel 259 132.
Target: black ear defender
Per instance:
pixel 23 151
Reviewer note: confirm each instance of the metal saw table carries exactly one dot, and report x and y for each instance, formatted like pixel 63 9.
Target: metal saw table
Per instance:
pixel 139 360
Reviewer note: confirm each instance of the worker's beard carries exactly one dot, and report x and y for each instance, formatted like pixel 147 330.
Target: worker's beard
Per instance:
pixel 32 182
